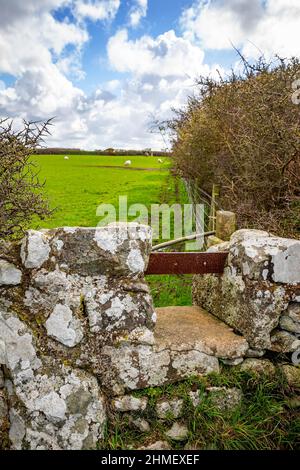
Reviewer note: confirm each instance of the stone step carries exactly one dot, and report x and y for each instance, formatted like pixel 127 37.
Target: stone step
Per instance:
pixel 187 341
pixel 193 328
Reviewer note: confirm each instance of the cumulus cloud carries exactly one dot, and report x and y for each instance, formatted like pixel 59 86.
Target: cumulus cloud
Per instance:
pixel 30 35
pixel 163 71
pixel 42 53
pixel 166 55
pixel 14 10
pixel 39 93
pixel 260 26
pixel 32 44
pixel 96 10
pixel 138 12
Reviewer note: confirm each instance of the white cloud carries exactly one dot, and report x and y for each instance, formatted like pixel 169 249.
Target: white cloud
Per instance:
pixel 42 52
pixel 138 12
pixel 122 120
pixel 14 10
pixel 39 94
pixel 278 32
pixel 269 27
pixel 33 44
pixel 163 70
pixel 29 36
pixel 96 10
pixel 166 55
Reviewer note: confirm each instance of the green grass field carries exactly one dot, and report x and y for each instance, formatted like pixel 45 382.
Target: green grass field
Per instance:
pixel 76 187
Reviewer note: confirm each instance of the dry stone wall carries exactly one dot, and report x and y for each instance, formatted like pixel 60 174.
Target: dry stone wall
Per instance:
pixel 79 333
pixel 259 293
pixel 77 328
pixel 65 295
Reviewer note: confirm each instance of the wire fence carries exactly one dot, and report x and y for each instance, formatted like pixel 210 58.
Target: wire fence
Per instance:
pixel 170 290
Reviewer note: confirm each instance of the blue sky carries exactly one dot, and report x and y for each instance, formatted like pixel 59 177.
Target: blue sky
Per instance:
pixel 161 16
pixel 106 68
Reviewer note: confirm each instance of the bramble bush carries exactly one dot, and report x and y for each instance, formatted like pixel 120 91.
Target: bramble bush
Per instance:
pixel 243 133
pixel 21 196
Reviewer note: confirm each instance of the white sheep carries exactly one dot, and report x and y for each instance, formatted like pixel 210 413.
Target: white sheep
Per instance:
pixel 66 157
pixel 128 163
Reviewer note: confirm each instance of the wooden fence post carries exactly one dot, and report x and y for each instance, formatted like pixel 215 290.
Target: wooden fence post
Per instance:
pixel 225 224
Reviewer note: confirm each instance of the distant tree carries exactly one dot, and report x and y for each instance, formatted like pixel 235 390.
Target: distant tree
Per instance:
pixel 21 196
pixel 109 151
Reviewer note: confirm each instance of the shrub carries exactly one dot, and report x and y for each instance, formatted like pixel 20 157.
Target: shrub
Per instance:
pixel 243 133
pixel 21 195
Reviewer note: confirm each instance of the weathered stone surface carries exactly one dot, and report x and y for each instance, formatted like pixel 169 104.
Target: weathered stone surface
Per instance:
pixel 212 240
pixel 225 399
pixel 224 246
pixel 293 311
pixel 225 224
pixel 158 445
pixel 195 397
pixel 202 340
pixel 286 323
pixel 51 406
pixel 9 274
pixel 193 362
pixel 283 341
pixel 178 432
pixel 233 362
pixel 64 410
pixel 17 430
pixel 255 352
pixel 83 316
pixel 245 234
pixel 252 293
pixel 35 249
pixel 169 408
pixel 258 366
pixel 16 346
pixel 141 424
pixel 131 367
pixel 168 357
pixel 82 292
pixel 62 326
pixel 252 310
pixel 292 375
pixel 199 331
pixel 286 263
pixel 129 403
pixel 120 249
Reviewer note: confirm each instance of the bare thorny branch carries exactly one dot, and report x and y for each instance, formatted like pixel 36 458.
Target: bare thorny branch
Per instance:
pixel 21 196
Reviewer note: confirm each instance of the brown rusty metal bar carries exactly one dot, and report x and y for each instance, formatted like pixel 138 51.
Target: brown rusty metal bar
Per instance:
pixel 187 263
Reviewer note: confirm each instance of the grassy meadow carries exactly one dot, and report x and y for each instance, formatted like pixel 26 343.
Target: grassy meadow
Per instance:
pixel 76 187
